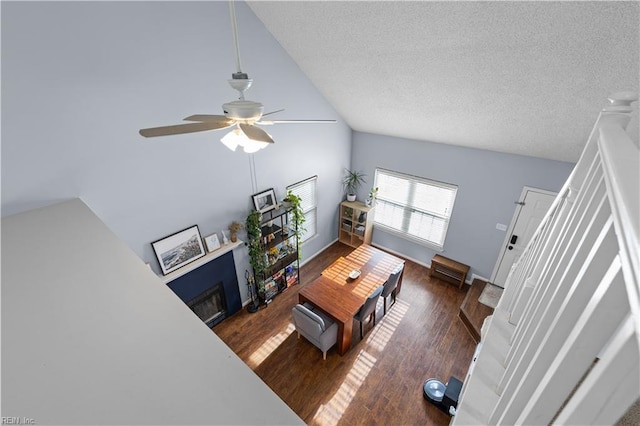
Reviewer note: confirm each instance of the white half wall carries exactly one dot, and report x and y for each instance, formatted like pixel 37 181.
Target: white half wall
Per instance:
pixel 90 335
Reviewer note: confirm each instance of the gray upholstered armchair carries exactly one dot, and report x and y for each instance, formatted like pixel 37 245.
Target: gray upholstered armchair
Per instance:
pixel 316 327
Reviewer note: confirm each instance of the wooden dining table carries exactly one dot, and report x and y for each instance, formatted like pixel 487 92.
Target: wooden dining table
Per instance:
pixel 341 297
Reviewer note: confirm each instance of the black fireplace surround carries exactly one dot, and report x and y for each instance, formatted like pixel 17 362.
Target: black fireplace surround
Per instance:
pixel 196 286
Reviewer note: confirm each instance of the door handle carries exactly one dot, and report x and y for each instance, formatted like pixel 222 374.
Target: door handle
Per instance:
pixel 514 238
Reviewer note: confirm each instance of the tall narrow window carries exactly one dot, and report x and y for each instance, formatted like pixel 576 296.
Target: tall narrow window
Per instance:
pixel 413 207
pixel 306 190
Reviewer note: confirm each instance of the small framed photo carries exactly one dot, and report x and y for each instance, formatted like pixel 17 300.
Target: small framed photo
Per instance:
pixel 179 249
pixel 212 242
pixel 265 200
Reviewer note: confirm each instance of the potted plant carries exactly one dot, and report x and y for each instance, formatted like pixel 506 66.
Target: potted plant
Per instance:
pixel 234 228
pixel 297 216
pixel 351 181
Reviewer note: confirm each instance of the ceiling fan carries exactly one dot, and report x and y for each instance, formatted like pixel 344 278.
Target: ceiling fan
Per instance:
pixel 246 115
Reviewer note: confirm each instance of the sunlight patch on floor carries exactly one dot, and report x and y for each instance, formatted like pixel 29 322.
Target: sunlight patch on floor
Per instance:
pixel 269 346
pixel 381 334
pixel 329 414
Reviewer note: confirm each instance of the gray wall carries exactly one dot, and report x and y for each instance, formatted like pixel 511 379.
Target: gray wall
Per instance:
pixel 79 79
pixel 488 184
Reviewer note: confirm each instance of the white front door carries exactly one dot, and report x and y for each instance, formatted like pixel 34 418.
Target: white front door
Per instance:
pixel 532 207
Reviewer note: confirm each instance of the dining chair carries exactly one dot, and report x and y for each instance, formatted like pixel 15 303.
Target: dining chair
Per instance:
pixel 390 287
pixel 369 308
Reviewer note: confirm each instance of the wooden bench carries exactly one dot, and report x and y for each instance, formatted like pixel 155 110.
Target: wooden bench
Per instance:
pixel 450 270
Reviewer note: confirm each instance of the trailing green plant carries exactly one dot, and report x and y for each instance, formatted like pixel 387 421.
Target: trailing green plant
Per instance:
pixel 352 180
pixel 297 217
pixel 254 244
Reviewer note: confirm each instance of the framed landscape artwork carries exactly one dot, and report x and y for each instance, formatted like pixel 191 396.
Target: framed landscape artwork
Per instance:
pixel 265 200
pixel 179 249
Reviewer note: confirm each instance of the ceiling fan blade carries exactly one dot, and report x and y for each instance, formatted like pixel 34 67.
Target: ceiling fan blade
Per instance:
pixel 255 133
pixel 178 129
pixel 268 122
pixel 210 118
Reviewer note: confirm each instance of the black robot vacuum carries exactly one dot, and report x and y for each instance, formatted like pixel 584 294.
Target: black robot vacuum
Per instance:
pixel 445 397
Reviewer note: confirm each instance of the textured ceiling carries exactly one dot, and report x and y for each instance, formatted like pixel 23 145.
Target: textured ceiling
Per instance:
pixel 526 78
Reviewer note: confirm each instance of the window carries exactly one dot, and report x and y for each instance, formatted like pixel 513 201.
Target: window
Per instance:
pixel 413 207
pixel 306 190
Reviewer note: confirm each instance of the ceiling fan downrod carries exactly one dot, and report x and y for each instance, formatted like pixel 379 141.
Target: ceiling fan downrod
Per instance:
pixel 240 80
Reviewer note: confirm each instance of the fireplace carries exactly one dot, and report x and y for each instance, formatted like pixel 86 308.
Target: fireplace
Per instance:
pixel 210 306
pixel 211 291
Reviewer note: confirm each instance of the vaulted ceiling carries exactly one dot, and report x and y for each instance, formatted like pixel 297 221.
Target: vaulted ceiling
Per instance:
pixel 526 78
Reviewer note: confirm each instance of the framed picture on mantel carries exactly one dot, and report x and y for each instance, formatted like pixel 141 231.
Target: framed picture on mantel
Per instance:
pixel 212 242
pixel 179 249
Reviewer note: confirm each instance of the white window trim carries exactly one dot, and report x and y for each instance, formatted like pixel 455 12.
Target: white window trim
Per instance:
pixel 405 235
pixel 313 207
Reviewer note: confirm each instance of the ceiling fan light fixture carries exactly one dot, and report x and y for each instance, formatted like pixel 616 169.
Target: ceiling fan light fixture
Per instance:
pixel 231 139
pixel 237 137
pixel 252 146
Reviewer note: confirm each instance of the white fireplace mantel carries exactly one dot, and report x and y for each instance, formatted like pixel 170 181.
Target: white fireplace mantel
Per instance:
pixel 199 262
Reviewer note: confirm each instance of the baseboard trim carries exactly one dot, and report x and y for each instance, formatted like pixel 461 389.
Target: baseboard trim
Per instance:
pixel 404 256
pixel 474 276
pixel 468 281
pixel 318 252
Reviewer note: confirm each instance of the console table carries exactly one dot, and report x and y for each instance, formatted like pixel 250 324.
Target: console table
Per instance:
pixel 448 269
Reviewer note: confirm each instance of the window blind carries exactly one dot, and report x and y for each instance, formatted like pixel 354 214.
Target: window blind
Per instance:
pixel 414 207
pixel 306 190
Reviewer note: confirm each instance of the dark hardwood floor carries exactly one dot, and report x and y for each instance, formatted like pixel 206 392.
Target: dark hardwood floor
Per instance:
pixel 379 380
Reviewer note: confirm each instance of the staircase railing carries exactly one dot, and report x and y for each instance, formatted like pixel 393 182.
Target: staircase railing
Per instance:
pixel 563 345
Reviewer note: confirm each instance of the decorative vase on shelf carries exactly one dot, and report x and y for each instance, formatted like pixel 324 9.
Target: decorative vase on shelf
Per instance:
pixel 351 197
pixel 372 196
pixel 234 227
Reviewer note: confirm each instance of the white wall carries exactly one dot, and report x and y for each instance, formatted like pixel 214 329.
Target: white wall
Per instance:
pixel 90 335
pixel 488 185
pixel 79 79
